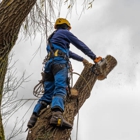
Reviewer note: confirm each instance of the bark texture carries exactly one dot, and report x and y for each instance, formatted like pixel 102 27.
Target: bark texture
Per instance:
pixel 44 131
pixel 12 15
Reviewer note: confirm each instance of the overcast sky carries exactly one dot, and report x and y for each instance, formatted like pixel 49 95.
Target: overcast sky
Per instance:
pixel 113 110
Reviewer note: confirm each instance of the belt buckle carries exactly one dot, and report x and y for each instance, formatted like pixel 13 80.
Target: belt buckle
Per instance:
pixel 56 53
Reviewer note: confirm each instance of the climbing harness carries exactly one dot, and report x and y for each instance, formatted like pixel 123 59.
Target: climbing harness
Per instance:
pixel 55 53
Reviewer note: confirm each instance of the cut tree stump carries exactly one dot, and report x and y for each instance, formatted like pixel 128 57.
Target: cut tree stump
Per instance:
pixel 44 131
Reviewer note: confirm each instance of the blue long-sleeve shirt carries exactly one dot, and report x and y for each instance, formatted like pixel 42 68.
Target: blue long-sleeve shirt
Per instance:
pixel 62 39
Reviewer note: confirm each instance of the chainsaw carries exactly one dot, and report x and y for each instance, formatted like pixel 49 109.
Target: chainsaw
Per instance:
pixel 99 68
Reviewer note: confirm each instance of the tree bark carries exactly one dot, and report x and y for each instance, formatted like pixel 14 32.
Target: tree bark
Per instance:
pixel 12 15
pixel 44 131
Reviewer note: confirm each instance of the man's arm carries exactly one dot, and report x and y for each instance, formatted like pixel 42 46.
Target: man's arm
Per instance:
pixel 75 56
pixel 80 45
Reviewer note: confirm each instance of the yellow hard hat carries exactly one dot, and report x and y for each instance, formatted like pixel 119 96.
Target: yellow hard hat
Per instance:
pixel 60 21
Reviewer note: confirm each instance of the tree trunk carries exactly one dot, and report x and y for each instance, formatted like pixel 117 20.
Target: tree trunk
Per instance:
pixel 12 15
pixel 44 131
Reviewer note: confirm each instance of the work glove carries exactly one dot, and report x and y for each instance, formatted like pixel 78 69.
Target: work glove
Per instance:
pixel 97 59
pixel 85 62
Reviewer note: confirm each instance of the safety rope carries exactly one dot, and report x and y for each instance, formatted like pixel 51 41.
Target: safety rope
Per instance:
pixel 39 88
pixel 83 79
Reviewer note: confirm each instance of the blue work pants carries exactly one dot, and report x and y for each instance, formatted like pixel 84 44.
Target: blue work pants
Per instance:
pixel 55 85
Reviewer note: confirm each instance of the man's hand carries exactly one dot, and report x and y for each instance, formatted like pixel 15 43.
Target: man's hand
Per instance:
pixel 97 59
pixel 85 62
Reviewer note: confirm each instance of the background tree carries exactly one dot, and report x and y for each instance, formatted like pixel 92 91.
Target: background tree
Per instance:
pixel 12 16
pixel 11 102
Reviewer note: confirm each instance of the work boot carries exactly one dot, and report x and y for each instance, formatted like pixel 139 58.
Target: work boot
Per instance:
pixel 58 120
pixel 32 121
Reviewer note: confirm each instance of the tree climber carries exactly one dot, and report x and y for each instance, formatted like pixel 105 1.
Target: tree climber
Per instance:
pixel 56 72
